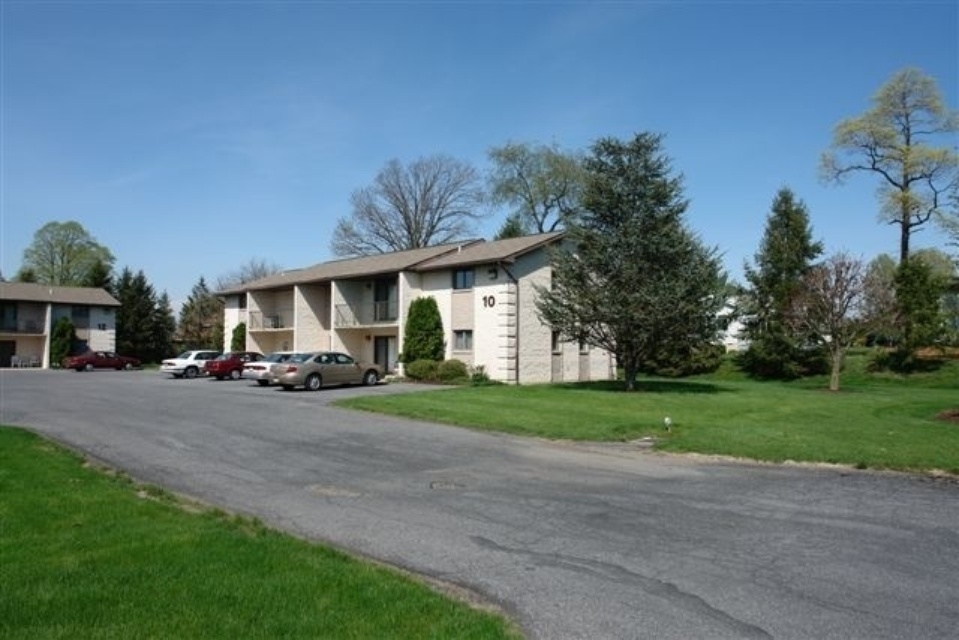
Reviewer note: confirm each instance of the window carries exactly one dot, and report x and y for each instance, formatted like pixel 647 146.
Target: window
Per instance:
pixel 463 278
pixel 80 316
pixel 583 347
pixel 554 342
pixel 462 340
pixel 343 359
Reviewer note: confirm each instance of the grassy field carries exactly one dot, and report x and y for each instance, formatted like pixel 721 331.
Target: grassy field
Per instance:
pixel 876 421
pixel 84 554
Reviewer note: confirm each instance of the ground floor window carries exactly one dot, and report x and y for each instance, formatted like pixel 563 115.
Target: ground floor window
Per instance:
pixel 463 340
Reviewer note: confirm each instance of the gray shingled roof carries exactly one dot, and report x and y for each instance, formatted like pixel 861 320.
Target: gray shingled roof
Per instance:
pixel 490 252
pixel 350 268
pixel 32 292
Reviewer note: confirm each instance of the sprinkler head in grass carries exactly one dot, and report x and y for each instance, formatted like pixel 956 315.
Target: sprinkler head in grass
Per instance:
pixel 667 422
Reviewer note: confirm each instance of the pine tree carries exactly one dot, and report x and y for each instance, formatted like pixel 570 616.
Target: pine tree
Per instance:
pixel 135 317
pixel 201 319
pixel 786 254
pixel 632 279
pixel 164 327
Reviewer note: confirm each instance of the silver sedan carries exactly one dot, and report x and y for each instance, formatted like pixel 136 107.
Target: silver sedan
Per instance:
pixel 313 370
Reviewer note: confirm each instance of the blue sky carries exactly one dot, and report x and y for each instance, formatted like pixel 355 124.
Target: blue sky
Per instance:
pixel 190 137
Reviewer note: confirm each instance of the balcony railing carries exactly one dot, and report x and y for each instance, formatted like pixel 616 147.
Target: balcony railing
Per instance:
pixel 361 315
pixel 22 326
pixel 261 321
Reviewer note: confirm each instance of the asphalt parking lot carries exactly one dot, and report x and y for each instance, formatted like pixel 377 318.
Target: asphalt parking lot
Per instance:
pixel 572 541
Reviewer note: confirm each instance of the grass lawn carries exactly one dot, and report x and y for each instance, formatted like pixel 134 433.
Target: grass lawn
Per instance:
pixel 84 554
pixel 875 421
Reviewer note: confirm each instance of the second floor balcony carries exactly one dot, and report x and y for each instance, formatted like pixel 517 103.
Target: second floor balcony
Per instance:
pixel 366 315
pixel 269 321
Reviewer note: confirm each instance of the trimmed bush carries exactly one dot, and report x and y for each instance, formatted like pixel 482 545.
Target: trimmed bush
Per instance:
pixel 423 338
pixel 421 370
pixel 452 371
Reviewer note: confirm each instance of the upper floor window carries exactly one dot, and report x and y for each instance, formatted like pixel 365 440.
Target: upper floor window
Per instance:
pixel 463 278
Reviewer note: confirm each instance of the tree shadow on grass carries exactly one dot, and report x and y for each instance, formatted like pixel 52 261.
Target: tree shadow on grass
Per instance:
pixel 649 386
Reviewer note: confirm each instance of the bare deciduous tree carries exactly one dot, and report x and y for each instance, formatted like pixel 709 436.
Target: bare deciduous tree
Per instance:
pixel 253 269
pixel 829 308
pixel 432 201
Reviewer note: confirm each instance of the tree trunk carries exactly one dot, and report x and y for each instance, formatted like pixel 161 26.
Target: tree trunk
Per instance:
pixel 836 368
pixel 629 373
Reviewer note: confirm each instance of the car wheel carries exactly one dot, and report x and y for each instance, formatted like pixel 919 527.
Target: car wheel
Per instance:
pixel 128 366
pixel 263 383
pixel 313 382
pixel 88 367
pixel 234 375
pixel 190 372
pixel 370 378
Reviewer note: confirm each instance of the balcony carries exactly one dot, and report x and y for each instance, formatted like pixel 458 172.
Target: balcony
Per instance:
pixel 260 321
pixel 22 326
pixel 366 315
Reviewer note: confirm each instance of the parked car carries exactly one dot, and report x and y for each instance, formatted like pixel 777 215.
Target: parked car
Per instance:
pixel 100 360
pixel 263 370
pixel 188 364
pixel 313 370
pixel 230 364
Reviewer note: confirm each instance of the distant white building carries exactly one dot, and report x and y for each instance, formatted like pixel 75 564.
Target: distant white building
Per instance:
pixel 484 290
pixel 28 312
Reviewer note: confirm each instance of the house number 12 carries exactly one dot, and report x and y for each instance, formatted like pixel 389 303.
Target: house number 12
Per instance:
pixel 489 301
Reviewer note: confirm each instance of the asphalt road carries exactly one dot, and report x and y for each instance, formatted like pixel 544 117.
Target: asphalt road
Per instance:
pixel 571 541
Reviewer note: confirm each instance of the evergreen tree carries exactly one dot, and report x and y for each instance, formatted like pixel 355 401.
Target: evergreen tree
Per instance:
pixel 61 340
pixel 99 276
pixel 786 254
pixel 918 294
pixel 632 279
pixel 423 337
pixel 201 319
pixel 164 327
pixel 513 227
pixel 135 317
pixel 238 339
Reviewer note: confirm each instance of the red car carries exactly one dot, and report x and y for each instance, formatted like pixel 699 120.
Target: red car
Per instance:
pixel 100 360
pixel 230 364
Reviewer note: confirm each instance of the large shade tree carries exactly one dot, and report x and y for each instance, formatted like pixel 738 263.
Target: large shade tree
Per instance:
pixel 907 141
pixel 65 254
pixel 430 201
pixel 631 278
pixel 541 184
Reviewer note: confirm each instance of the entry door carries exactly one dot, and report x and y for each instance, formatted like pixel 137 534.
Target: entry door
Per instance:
pixel 7 349
pixel 384 352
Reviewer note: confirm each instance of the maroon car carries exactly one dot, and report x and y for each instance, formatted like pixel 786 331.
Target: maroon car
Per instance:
pixel 100 360
pixel 230 364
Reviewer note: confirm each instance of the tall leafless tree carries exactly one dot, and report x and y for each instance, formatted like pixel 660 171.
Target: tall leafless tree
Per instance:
pixel 431 201
pixel 253 269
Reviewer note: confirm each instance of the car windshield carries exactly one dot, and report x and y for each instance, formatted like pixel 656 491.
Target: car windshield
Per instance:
pixel 278 357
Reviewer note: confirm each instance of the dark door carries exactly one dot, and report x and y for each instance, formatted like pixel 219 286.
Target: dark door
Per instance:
pixel 384 352
pixel 384 300
pixel 7 349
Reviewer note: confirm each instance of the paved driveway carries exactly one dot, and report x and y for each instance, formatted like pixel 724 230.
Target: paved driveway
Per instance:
pixel 572 541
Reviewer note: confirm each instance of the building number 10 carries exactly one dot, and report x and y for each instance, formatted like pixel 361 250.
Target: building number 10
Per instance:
pixel 489 301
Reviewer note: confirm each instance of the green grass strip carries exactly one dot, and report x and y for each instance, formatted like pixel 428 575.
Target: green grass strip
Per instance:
pixel 84 554
pixel 875 421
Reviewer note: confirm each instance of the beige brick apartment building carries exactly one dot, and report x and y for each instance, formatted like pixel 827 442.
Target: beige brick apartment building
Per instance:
pixel 484 290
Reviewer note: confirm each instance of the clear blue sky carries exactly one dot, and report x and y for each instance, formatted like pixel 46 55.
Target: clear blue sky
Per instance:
pixel 190 137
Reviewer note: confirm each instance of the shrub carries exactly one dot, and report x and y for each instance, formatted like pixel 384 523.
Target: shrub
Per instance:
pixel 423 338
pixel 61 340
pixel 421 370
pixel 452 371
pixel 238 339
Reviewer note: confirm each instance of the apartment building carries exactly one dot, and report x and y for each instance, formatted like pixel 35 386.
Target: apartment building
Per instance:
pixel 485 292
pixel 28 312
